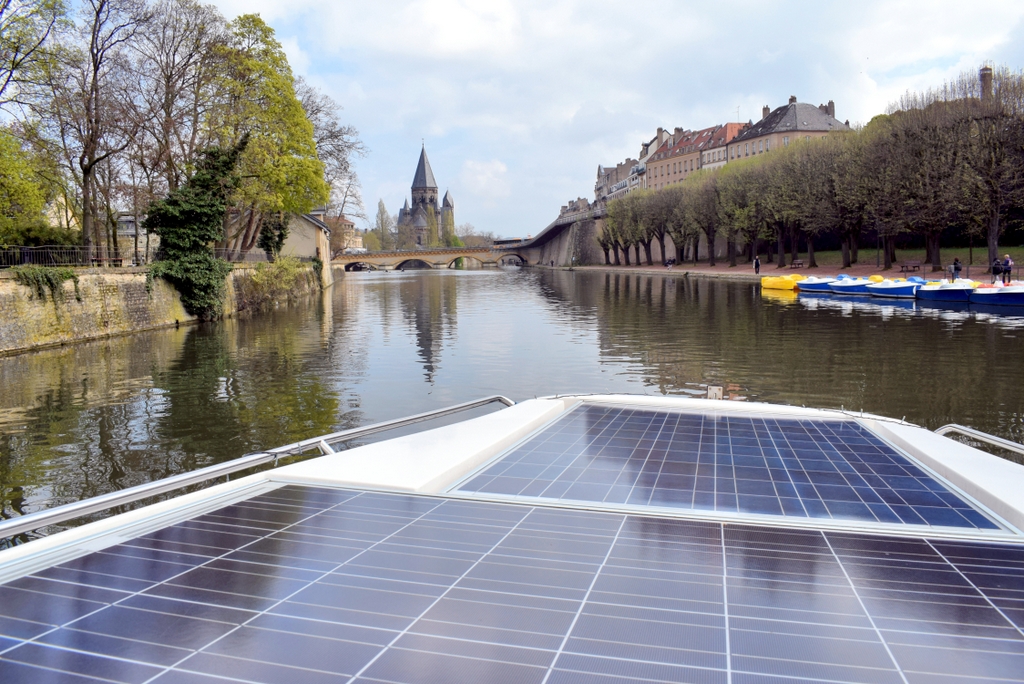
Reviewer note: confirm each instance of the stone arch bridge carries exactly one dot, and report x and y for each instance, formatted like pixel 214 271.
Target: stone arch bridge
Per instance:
pixel 435 258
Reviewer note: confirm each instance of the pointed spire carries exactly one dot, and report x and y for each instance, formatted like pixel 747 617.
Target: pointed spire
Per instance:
pixel 448 201
pixel 424 176
pixel 406 207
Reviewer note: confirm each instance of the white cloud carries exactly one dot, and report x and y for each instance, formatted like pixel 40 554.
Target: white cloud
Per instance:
pixel 485 179
pixel 553 88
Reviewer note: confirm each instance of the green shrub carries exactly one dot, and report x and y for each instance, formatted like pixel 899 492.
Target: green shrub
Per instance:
pixel 269 283
pixel 43 278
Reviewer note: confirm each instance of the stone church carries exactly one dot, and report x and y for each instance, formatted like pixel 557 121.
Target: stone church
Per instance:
pixel 428 220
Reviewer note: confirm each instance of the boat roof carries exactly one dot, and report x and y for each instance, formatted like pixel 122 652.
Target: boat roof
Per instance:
pixel 565 539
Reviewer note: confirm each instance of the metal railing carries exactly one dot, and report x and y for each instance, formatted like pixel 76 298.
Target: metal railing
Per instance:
pixel 982 437
pixel 60 255
pixel 34 521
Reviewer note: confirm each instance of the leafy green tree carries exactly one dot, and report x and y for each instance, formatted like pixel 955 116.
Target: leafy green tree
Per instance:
pixel 26 32
pixel 22 195
pixel 371 242
pixel 188 222
pixel 384 228
pixel 279 169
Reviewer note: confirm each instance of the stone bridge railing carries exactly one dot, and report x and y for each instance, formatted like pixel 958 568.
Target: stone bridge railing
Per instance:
pixel 435 258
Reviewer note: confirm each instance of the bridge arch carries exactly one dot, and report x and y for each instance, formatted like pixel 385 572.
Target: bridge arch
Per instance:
pixel 360 266
pixel 413 265
pixel 476 261
pixel 523 261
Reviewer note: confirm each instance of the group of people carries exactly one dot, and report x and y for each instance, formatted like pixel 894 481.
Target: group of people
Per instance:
pixel 1002 268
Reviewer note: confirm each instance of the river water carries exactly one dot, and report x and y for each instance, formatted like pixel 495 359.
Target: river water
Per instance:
pixel 89 418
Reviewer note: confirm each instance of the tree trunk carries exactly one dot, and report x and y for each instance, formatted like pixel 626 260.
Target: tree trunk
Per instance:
pixel 992 237
pixel 887 255
pixel 696 249
pixel 730 252
pixel 711 247
pixel 811 263
pixel 770 251
pixel 794 244
pixel 625 252
pixel 680 252
pixel 782 248
pixel 936 254
pixel 854 247
pixel 647 252
pixel 607 257
pixel 661 243
pixel 637 248
pixel 846 250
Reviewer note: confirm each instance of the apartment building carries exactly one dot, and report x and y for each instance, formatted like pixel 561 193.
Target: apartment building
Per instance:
pixel 612 181
pixel 785 125
pixel 716 153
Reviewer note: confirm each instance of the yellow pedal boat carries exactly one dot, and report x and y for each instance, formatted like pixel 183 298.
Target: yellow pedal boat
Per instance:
pixel 786 282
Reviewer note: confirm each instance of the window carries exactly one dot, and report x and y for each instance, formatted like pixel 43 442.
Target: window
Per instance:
pixel 785 141
pixel 746 151
pixel 760 146
pixel 767 144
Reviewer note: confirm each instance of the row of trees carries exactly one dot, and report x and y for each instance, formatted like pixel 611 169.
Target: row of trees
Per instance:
pixel 110 106
pixel 948 160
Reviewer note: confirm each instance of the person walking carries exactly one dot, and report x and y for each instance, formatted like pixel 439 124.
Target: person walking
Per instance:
pixel 997 269
pixel 1007 269
pixel 757 265
pixel 957 267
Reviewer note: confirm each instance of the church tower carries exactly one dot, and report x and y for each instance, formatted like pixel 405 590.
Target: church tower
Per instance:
pixel 428 219
pixel 424 187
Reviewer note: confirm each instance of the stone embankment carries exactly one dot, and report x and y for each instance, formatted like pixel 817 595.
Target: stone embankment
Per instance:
pixel 113 302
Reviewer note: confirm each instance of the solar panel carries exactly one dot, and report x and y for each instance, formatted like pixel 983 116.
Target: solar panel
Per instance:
pixel 311 585
pixel 796 468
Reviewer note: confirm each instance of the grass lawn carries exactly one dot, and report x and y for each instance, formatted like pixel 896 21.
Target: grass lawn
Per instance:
pixel 867 256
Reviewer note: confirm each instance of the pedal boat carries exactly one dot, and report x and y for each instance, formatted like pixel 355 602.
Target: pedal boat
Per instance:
pixel 956 291
pixel 897 289
pixel 1004 295
pixel 816 283
pixel 785 282
pixel 854 286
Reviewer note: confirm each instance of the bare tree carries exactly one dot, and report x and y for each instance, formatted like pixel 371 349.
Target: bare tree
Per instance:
pixel 178 57
pixel 84 102
pixel 336 145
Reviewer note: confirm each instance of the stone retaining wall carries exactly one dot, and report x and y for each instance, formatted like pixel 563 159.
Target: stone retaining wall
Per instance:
pixel 114 302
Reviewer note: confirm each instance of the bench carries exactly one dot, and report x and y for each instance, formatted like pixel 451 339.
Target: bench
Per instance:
pixel 908 266
pixel 797 263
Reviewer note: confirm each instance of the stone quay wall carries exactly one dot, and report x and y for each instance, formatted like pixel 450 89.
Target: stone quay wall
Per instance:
pixel 114 302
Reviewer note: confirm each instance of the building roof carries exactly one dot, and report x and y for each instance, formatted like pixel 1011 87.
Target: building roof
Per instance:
pixel 796 116
pixel 448 201
pixel 424 177
pixel 316 222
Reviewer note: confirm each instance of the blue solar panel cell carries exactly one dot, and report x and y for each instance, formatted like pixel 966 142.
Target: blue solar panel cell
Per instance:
pixel 834 469
pixel 429 589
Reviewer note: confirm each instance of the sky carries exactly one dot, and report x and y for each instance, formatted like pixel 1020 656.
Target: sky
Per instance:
pixel 518 102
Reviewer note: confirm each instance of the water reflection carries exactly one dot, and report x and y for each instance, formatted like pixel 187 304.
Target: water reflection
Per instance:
pixel 81 420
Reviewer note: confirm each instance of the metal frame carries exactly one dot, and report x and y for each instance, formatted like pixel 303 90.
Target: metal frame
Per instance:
pixel 982 437
pixel 78 509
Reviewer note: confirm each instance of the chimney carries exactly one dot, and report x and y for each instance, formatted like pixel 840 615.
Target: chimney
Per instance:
pixel 832 108
pixel 792 99
pixel 765 111
pixel 661 132
pixel 986 82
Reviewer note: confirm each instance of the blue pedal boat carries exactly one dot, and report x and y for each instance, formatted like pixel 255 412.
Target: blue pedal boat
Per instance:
pixel 957 291
pixel 899 289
